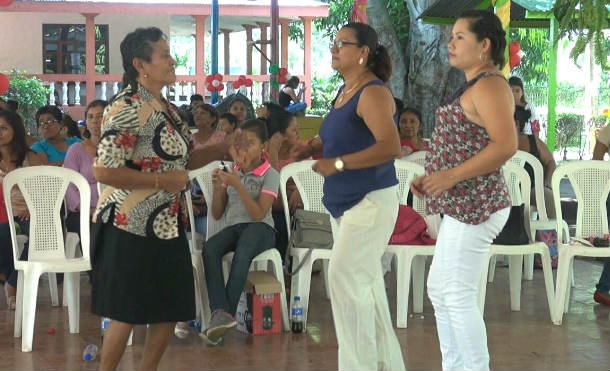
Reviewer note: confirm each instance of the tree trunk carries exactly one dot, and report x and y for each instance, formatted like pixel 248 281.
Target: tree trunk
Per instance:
pixel 430 78
pixel 379 18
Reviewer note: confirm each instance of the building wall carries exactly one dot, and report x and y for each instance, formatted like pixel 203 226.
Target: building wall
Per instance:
pixel 21 36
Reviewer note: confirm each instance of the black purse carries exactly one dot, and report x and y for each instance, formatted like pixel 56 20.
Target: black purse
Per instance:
pixel 514 232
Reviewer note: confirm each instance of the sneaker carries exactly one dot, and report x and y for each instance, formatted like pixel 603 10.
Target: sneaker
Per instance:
pixel 181 330
pixel 602 298
pixel 221 321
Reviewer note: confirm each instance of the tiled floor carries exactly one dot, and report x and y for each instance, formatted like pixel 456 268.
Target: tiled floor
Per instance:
pixel 524 340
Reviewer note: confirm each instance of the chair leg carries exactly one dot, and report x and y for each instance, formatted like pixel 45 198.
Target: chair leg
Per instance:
pixel 528 267
pixel 418 267
pixel 300 287
pixel 201 296
pixel 19 305
pixel 547 270
pixel 30 291
pixel 566 305
pixel 72 288
pixel 572 282
pixel 403 283
pixel 515 272
pixel 279 275
pixel 325 273
pixel 53 287
pixel 72 242
pixel 561 291
pixel 492 268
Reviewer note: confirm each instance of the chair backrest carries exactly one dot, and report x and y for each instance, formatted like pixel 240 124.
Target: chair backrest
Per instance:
pixel 406 171
pixel 418 157
pixel 309 184
pixel 44 189
pixel 519 188
pixel 203 176
pixel 590 181
pixel 521 158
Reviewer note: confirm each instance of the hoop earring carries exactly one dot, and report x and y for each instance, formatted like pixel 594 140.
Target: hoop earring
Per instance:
pixel 361 60
pixel 483 60
pixel 145 76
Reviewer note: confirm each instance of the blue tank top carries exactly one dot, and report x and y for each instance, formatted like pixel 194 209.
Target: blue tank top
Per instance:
pixel 344 132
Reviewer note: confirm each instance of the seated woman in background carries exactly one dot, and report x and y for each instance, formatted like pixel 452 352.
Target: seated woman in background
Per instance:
pixel 70 127
pixel 290 100
pixel 532 126
pixel 53 145
pixel 80 158
pixel 410 129
pixel 238 108
pixel 14 153
pixel 206 117
pixel 227 123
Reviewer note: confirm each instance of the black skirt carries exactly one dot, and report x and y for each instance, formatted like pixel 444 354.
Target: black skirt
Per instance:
pixel 141 280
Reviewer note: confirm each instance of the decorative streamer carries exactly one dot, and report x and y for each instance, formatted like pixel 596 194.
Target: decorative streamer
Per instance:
pixel 359 11
pixel 274 70
pixel 502 9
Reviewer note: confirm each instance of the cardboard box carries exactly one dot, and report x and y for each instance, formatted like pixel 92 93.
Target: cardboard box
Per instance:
pixel 309 126
pixel 259 310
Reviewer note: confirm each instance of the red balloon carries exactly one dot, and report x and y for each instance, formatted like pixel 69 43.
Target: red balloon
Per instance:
pixel 6 2
pixel 248 82
pixel 236 84
pixel 221 86
pixel 4 83
pixel 513 47
pixel 209 79
pixel 242 78
pixel 514 60
pixel 283 71
pixel 218 77
pixel 211 87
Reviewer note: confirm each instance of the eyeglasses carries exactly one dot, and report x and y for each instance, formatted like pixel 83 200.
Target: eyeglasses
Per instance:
pixel 340 43
pixel 44 124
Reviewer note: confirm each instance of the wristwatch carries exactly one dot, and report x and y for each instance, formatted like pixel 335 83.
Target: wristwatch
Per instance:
pixel 339 165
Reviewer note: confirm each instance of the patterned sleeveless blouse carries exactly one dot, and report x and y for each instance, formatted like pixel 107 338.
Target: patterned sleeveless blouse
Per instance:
pixel 454 140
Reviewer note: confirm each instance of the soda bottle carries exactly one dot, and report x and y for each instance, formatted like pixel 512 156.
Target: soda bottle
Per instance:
pixel 104 325
pixel 297 315
pixel 90 352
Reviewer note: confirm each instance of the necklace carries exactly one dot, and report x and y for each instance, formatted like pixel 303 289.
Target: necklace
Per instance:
pixel 345 92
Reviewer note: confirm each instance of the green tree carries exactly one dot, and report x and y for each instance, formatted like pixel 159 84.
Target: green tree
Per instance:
pixel 29 92
pixel 534 65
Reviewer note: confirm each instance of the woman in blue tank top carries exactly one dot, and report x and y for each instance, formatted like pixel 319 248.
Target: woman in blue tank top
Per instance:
pixel 359 142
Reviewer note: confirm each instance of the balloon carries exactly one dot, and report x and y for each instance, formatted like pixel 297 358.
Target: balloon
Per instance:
pixel 211 87
pixel 4 83
pixel 514 60
pixel 221 86
pixel 236 84
pixel 218 77
pixel 209 78
pixel 6 2
pixel 513 47
pixel 283 71
pixel 248 82
pixel 242 78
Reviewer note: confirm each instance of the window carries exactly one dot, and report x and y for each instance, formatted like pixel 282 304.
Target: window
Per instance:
pixel 63 48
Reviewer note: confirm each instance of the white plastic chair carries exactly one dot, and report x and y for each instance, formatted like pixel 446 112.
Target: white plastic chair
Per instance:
pixel 309 184
pixel 418 157
pixel 43 188
pixel 539 218
pixel 204 178
pixel 590 181
pixel 409 258
pixel 518 182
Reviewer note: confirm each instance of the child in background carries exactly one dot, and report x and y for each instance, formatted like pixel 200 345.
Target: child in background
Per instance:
pixel 227 123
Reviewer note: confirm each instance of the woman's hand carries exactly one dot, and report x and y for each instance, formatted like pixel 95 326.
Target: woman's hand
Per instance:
pixel 216 182
pixel 173 181
pixel 295 202
pixel 275 142
pixel 437 183
pixel 325 166
pixel 24 215
pixel 416 187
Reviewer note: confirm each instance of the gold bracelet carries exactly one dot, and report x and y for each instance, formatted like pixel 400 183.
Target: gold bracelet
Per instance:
pixel 156 180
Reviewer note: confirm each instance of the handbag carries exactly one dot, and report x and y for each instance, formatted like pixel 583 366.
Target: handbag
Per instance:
pixel 410 228
pixel 514 232
pixel 310 230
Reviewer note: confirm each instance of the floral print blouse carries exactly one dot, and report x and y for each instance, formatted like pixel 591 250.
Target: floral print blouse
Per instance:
pixel 137 132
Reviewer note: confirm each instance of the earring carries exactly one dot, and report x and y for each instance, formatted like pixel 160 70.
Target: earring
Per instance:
pixel 361 60
pixel 145 76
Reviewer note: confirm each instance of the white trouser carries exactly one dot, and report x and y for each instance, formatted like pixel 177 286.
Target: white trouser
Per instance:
pixel 460 256
pixel 365 335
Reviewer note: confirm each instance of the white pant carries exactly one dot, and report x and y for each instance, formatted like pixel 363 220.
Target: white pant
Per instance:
pixel 365 335
pixel 460 256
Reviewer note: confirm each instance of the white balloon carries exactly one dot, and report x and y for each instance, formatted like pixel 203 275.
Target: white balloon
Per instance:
pixel 521 53
pixel 215 83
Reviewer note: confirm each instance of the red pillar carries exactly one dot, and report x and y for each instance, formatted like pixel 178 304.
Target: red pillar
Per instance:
pixel 90 56
pixel 307 63
pixel 199 50
pixel 263 46
pixel 284 25
pixel 249 41
pixel 227 43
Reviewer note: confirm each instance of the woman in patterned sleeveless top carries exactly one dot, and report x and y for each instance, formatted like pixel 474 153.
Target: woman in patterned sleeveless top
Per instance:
pixel 473 137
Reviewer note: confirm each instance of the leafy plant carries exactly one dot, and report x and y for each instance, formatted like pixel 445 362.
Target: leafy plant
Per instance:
pixel 569 128
pixel 535 44
pixel 584 21
pixel 29 92
pixel 322 94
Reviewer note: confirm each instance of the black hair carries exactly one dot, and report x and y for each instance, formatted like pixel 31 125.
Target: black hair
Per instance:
pixel 137 44
pixel 196 97
pixel 19 146
pixel 52 110
pixel 12 104
pixel 236 99
pixel 399 105
pixel 229 117
pixel 522 115
pixel 95 103
pixel 516 81
pixel 378 61
pixel 414 111
pixel 71 126
pixel 257 127
pixel 278 121
pixel 208 108
pixel 484 25
pixel 293 82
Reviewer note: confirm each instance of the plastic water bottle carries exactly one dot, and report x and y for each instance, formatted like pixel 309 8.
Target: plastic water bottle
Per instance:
pixel 104 325
pixel 90 352
pixel 195 323
pixel 297 315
